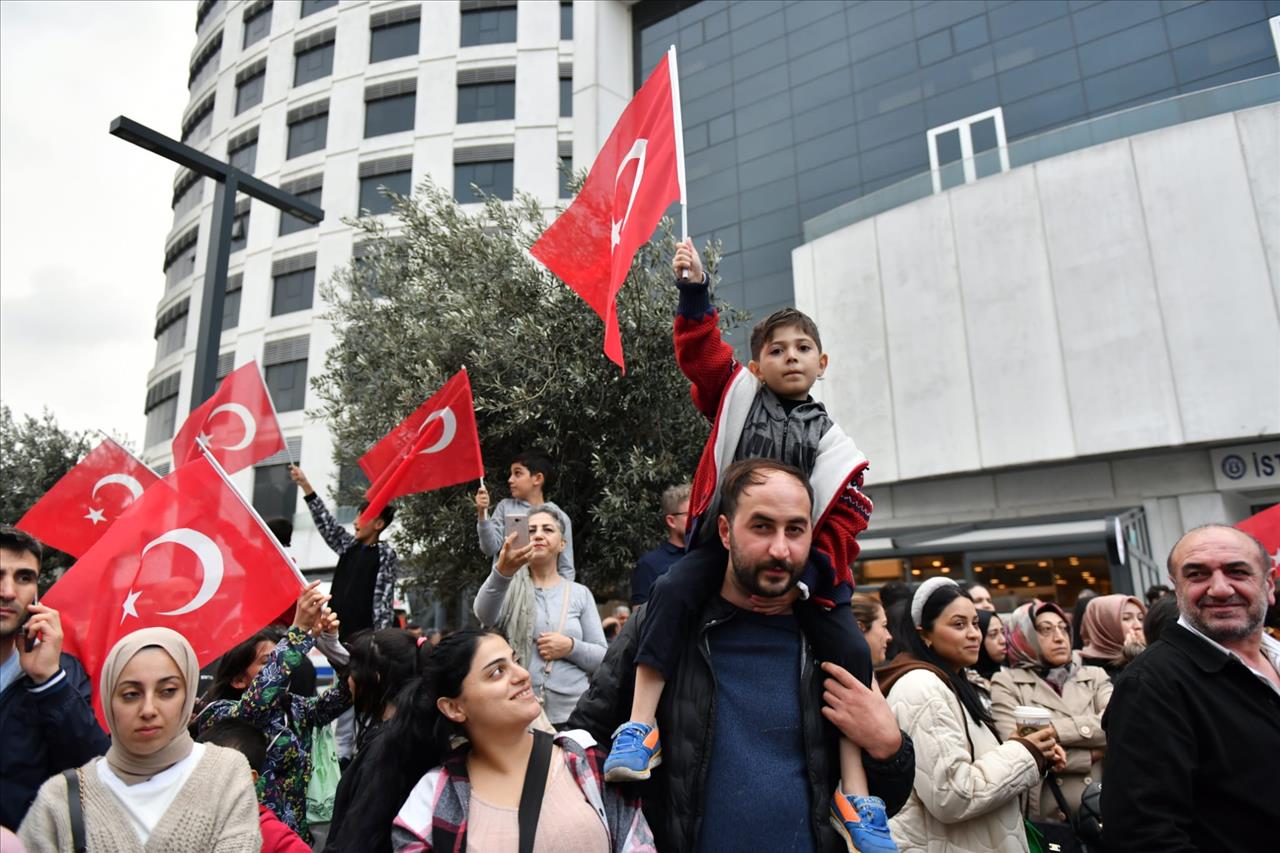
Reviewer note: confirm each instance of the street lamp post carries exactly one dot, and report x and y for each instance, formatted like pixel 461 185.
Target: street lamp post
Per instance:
pixel 228 181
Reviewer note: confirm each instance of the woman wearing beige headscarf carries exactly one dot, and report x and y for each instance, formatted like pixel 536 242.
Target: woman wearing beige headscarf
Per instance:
pixel 156 789
pixel 1112 632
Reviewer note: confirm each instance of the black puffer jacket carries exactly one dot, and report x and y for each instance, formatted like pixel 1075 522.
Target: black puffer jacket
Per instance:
pixel 673 797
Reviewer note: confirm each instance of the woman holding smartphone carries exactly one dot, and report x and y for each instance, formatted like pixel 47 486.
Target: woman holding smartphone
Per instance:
pixel 551 622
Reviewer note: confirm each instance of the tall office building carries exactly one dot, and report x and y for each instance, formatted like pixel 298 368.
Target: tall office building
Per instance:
pixel 1027 229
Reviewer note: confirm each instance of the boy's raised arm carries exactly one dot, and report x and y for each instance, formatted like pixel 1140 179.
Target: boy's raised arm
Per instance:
pixel 700 352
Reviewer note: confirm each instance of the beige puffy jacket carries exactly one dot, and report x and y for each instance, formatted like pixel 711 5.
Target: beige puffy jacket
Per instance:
pixel 968 786
pixel 1077 718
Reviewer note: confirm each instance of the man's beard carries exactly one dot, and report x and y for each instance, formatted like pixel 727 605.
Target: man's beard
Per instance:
pixel 748 574
pixel 1220 633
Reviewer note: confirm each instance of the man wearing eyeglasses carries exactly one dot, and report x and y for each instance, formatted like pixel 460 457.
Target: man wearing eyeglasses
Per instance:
pixel 655 563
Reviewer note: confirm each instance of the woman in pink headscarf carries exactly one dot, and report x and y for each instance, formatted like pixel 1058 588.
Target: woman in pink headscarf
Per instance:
pixel 1112 632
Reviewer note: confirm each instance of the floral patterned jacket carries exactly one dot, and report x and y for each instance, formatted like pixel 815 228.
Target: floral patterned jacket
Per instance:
pixel 287 720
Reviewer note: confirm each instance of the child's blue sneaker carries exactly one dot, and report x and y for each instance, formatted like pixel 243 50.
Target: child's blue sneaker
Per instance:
pixel 636 751
pixel 862 823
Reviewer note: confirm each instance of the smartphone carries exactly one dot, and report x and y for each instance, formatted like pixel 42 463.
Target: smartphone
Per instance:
pixel 518 523
pixel 28 641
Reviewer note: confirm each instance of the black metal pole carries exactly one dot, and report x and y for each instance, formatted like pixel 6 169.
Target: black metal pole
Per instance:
pixel 213 296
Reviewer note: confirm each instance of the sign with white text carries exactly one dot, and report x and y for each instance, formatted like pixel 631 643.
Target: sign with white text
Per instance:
pixel 1247 467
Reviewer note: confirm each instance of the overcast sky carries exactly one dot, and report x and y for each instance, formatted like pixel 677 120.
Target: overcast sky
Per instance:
pixel 83 215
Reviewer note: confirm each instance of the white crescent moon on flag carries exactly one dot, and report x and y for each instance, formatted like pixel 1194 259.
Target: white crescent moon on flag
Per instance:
pixel 130 483
pixel 637 152
pixel 448 422
pixel 246 418
pixel 210 558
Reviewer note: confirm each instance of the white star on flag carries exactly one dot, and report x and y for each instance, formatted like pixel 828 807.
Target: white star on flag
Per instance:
pixel 96 515
pixel 130 606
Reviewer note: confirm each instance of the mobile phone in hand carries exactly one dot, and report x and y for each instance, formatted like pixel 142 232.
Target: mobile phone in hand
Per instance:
pixel 518 523
pixel 28 640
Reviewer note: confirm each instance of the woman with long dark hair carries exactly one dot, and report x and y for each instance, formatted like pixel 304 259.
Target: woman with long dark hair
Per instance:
pixel 968 783
pixel 475 694
pixel 991 655
pixel 252 684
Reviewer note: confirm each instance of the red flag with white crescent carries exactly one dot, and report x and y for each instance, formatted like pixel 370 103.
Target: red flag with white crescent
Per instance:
pixel 636 176
pixel 190 555
pixel 1265 527
pixel 436 446
pixel 84 503
pixel 238 423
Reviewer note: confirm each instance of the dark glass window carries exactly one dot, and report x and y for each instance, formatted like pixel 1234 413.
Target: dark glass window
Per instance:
pixel 231 310
pixel 171 337
pixel 293 291
pixel 566 21
pixel 249 92
pixel 245 158
pixel 389 115
pixel 207 68
pixel 161 419
pixel 494 177
pixel 287 384
pixel 566 97
pixel 307 135
pixel 486 102
pixel 372 201
pixel 199 130
pixel 313 64
pixel 310 7
pixel 393 40
pixel 566 172
pixel 275 495
pixel 290 224
pixel 240 231
pixel 180 267
pixel 257 27
pixel 189 200
pixel 488 26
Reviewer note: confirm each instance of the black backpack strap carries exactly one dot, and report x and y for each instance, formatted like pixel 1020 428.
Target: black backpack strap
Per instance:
pixel 1052 781
pixel 75 807
pixel 535 785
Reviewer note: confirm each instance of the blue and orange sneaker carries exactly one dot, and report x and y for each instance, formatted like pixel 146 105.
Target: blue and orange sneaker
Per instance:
pixel 862 823
pixel 636 751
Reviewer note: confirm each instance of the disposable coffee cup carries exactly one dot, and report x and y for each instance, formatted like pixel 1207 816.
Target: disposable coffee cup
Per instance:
pixel 1029 718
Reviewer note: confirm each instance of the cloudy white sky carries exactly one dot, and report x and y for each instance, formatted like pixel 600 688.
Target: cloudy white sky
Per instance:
pixel 83 215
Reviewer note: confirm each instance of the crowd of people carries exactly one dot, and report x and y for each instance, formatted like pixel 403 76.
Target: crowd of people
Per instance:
pixel 750 700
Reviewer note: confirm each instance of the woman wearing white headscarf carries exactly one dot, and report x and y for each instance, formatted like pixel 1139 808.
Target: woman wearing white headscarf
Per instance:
pixel 156 789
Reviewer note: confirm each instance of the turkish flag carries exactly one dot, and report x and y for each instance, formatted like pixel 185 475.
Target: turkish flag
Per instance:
pixel 190 555
pixel 238 423
pixel 83 504
pixel 1265 527
pixel 637 174
pixel 436 446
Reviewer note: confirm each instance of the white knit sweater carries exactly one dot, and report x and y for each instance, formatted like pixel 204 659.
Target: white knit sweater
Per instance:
pixel 216 810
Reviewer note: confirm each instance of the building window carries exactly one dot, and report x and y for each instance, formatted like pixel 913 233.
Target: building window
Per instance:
pixel 245 157
pixel 566 173
pixel 566 97
pixel 240 226
pixel 372 201
pixel 188 195
pixel 171 329
pixel 308 128
pixel 493 177
pixel 275 495
pixel 180 258
pixel 257 23
pixel 313 64
pixel 293 291
pixel 231 302
pixel 488 26
pixel 199 123
pixel 393 39
pixel 566 21
pixel 203 11
pixel 307 190
pixel 389 115
pixel 963 151
pixel 249 88
pixel 206 65
pixel 486 102
pixel 162 409
pixel 310 7
pixel 286 372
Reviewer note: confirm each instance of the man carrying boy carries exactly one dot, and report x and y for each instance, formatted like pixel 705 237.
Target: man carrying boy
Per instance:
pixel 531 477
pixel 760 410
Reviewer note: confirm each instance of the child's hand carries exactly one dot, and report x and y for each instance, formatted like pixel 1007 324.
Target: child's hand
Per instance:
pixel 482 503
pixel 687 259
pixel 775 605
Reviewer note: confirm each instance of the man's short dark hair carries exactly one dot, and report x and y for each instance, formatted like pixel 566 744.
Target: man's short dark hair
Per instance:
pixel 538 463
pixel 244 737
pixel 742 475
pixel 893 592
pixel 1264 559
pixel 387 515
pixel 1157 592
pixel 763 331
pixel 282 529
pixel 13 539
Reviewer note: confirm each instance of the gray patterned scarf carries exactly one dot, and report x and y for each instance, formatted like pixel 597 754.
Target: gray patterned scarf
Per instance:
pixel 774 433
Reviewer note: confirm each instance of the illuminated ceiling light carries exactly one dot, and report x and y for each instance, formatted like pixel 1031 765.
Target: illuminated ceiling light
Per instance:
pixel 915 571
pixel 1025 578
pixel 1008 565
pixel 1044 564
pixel 946 570
pixel 1031 583
pixel 937 563
pixel 1075 561
pixel 977 568
pixel 1090 581
pixel 1062 581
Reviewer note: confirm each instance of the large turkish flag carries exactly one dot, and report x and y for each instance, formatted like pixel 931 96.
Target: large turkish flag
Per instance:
pixel 1265 527
pixel 636 176
pixel 83 504
pixel 238 423
pixel 190 555
pixel 436 446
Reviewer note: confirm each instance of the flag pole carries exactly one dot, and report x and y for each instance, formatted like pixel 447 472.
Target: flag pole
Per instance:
pixel 678 127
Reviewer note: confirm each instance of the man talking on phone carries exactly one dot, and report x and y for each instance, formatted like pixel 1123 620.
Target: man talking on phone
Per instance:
pixel 46 712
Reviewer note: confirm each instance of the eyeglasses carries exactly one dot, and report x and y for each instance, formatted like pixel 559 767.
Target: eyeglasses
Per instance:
pixel 1049 630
